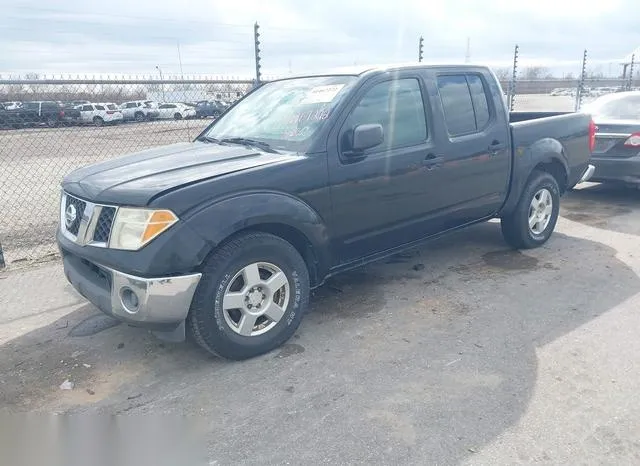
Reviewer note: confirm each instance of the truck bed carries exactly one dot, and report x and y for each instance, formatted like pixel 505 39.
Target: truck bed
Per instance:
pixel 548 132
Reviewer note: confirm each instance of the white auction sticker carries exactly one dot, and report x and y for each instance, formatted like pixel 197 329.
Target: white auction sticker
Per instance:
pixel 322 94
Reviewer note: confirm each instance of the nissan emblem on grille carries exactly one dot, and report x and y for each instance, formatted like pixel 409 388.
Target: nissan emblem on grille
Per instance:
pixel 70 215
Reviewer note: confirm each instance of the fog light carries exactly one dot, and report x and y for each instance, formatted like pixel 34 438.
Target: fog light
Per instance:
pixel 129 299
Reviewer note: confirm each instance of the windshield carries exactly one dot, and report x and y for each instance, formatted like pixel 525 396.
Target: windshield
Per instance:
pixel 285 114
pixel 616 107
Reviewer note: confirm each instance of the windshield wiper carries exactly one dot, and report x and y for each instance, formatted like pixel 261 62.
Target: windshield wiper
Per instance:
pixel 250 142
pixel 208 139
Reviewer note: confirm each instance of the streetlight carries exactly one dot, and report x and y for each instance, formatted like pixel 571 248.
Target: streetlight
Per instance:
pixel 161 83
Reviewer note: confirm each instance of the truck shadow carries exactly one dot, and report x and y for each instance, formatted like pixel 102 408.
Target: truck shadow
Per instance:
pixel 424 358
pixel 607 206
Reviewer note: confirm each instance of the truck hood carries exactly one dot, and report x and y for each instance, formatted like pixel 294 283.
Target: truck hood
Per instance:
pixel 137 178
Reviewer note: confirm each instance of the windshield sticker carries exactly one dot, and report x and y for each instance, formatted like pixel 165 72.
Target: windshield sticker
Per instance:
pixel 322 94
pixel 319 114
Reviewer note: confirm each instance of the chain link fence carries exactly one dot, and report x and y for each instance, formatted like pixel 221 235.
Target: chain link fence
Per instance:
pixel 49 127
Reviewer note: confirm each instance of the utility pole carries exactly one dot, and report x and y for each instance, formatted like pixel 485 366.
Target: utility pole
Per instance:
pixel 161 83
pixel 256 43
pixel 467 56
pixel 420 48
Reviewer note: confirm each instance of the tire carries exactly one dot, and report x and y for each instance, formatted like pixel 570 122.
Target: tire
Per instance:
pixel 216 114
pixel 97 121
pixel 140 117
pixel 52 122
pixel 516 227
pixel 219 331
pixel 178 116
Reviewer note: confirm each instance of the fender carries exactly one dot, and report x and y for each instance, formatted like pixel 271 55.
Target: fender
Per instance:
pixel 543 151
pixel 217 221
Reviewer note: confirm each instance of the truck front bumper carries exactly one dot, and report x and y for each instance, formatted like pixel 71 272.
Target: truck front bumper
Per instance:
pixel 160 304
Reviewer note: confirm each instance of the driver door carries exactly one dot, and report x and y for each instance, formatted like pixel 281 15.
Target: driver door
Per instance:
pixel 381 198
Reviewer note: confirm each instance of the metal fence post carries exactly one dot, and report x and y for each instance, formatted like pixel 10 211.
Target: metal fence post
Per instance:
pixel 2 263
pixel 420 48
pixel 633 60
pixel 583 77
pixel 256 43
pixel 511 94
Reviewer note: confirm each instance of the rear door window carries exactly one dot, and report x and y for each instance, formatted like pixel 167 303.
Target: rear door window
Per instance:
pixel 99 107
pixel 457 104
pixel 479 99
pixel 87 108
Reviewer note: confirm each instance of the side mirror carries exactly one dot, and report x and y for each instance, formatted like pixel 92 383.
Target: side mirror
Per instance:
pixel 367 136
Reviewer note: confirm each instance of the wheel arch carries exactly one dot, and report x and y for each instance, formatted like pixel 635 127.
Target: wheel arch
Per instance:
pixel 279 214
pixel 545 155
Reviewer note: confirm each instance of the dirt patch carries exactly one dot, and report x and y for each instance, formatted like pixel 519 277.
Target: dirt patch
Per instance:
pixel 350 295
pixel 510 260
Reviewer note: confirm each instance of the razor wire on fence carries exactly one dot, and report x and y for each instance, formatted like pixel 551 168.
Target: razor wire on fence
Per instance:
pixel 49 127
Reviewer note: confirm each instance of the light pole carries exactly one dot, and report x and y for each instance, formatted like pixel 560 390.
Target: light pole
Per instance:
pixel 161 83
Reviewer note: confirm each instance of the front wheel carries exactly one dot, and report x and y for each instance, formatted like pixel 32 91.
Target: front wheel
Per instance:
pixel 178 116
pixel 97 121
pixel 251 298
pixel 532 222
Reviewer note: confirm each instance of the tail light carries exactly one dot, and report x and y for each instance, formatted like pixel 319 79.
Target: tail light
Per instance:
pixel 110 112
pixel 633 140
pixel 592 135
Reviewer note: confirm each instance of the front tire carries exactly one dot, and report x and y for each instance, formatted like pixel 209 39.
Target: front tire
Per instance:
pixel 97 121
pixel 532 222
pixel 178 116
pixel 251 298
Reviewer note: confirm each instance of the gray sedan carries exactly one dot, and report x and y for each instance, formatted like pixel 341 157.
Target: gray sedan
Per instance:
pixel 616 155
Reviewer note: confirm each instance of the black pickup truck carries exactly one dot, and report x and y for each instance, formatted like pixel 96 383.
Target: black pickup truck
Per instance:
pixel 302 179
pixel 34 113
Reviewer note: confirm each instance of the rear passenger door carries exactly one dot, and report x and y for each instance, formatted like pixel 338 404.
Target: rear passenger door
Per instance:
pixel 475 145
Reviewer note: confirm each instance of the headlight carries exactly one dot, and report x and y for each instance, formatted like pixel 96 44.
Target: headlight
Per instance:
pixel 133 228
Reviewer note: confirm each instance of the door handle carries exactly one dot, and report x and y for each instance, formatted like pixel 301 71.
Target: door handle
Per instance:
pixel 495 147
pixel 432 161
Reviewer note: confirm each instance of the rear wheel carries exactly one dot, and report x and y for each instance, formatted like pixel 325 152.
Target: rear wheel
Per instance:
pixel 97 121
pixel 139 116
pixel 52 122
pixel 532 222
pixel 251 298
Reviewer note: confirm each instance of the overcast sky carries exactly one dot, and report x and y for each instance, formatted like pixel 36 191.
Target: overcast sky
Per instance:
pixel 216 36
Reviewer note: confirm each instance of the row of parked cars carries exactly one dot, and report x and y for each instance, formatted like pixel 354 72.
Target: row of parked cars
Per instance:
pixel 52 114
pixel 588 91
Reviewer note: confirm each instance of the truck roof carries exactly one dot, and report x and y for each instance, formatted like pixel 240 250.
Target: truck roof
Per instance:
pixel 362 69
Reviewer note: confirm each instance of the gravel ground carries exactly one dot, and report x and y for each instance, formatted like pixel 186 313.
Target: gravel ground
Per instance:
pixel 461 352
pixel 33 161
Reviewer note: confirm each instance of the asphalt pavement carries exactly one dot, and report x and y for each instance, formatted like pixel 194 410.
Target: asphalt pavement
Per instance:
pixel 460 352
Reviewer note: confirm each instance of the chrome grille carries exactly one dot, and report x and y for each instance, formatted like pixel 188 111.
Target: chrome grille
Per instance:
pixel 86 223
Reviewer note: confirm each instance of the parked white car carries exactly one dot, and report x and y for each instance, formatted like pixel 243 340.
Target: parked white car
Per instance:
pixel 100 114
pixel 176 111
pixel 139 110
pixel 12 105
